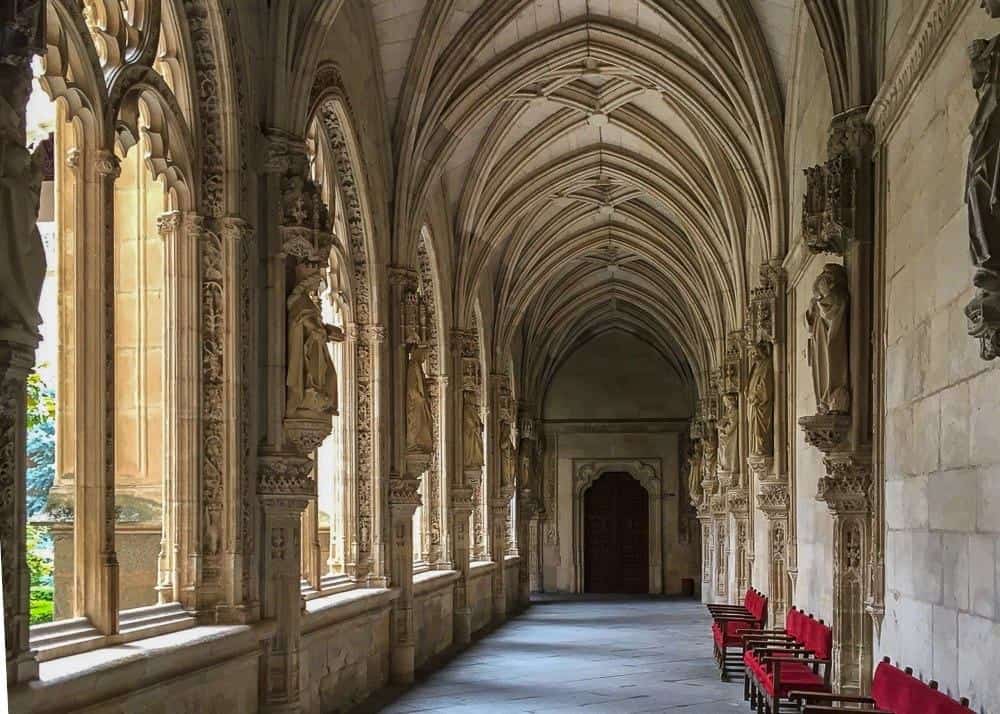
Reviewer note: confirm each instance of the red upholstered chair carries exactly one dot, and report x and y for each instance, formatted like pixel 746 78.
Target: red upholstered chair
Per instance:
pixel 728 629
pixel 894 691
pixel 802 665
pixel 789 638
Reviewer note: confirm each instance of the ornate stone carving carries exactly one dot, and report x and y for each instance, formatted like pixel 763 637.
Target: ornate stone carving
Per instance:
pixel 761 325
pixel 847 486
pixel 982 194
pixel 826 432
pixel 828 206
pixel 404 491
pixel 827 320
pixel 773 499
pixel 285 477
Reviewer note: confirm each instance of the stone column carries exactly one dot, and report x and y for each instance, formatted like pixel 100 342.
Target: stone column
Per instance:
pixel 527 525
pixel 499 506
pixel 298 248
pixel 461 515
pixel 17 357
pixel 404 498
pixel 285 487
pixel 840 220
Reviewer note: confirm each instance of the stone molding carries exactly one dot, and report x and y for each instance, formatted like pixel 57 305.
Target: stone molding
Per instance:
pixel 939 18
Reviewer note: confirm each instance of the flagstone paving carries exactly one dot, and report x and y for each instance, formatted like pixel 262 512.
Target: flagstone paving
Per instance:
pixel 620 656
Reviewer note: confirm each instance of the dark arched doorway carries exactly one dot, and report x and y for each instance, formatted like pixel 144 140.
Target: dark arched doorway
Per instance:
pixel 616 536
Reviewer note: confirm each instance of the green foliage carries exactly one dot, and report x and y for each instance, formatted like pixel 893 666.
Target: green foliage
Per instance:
pixel 41 401
pixel 41 447
pixel 40 568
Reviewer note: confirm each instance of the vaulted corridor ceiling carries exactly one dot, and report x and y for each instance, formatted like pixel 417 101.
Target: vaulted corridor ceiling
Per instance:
pixel 604 163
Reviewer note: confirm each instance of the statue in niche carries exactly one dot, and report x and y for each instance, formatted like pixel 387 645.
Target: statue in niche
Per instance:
pixel 710 453
pixel 729 440
pixel 22 254
pixel 826 319
pixel 507 461
pixel 694 472
pixel 472 431
pixel 982 192
pixel 760 401
pixel 419 431
pixel 311 382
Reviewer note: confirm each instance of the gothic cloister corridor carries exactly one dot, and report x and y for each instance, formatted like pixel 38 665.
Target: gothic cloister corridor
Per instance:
pixel 608 656
pixel 343 340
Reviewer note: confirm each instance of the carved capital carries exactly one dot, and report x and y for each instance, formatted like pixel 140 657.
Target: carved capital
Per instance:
pixel 168 223
pixel 826 432
pixel 404 491
pixel 236 229
pixel 773 499
pixel 373 334
pixel 285 476
pixel 307 434
pixel 462 501
pixel 738 501
pixel 846 489
pixel 106 165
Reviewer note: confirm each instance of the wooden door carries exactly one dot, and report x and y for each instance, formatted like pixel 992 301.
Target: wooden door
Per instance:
pixel 616 536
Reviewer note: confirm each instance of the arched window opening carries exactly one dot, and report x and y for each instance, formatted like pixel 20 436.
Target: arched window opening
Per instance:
pixel 141 498
pixel 324 542
pixel 51 485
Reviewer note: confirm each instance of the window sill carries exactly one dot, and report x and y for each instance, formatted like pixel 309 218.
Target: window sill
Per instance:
pixel 329 585
pixel 76 636
pixel 433 580
pixel 332 609
pixel 479 568
pixel 123 668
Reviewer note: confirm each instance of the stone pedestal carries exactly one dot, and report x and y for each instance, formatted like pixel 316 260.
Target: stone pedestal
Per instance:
pixel 404 498
pixel 461 513
pixel 499 508
pixel 285 488
pixel 846 490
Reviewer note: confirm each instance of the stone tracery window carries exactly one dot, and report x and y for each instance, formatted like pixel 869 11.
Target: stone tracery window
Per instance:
pixel 146 199
pixel 324 523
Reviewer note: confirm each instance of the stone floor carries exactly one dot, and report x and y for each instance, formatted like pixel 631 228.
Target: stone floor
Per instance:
pixel 620 655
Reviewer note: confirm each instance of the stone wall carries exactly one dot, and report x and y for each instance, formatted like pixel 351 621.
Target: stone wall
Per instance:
pixel 481 595
pixel 433 616
pixel 942 402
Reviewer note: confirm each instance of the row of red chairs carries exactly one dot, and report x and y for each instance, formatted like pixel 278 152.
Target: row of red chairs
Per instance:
pixel 729 623
pixel 894 691
pixel 778 662
pixel 791 666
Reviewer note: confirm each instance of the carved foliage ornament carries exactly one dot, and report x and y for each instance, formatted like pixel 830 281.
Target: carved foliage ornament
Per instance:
pixel 828 206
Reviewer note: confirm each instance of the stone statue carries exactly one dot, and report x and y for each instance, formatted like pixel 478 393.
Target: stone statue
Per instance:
pixel 419 429
pixel 729 439
pixel 827 321
pixel 694 472
pixel 22 254
pixel 709 452
pixel 760 401
pixel 472 432
pixel 982 193
pixel 507 461
pixel 312 379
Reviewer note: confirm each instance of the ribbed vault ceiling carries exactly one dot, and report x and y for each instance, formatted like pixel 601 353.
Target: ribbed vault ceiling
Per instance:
pixel 606 164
